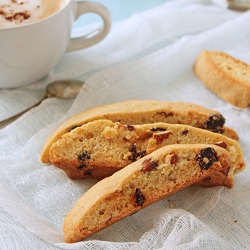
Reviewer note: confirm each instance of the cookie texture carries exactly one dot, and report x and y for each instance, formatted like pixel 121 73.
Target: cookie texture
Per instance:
pixel 100 148
pixel 226 76
pixel 144 111
pixel 163 172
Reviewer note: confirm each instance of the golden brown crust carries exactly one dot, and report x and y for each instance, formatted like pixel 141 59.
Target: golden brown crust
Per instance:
pixel 165 171
pixel 229 132
pixel 100 148
pixel 140 112
pixel 226 76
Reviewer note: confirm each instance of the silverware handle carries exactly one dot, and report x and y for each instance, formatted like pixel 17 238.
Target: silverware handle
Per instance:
pixel 239 6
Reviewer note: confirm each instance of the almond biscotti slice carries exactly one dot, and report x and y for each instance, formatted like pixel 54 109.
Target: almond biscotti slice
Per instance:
pixel 163 172
pixel 102 147
pixel 144 111
pixel 226 76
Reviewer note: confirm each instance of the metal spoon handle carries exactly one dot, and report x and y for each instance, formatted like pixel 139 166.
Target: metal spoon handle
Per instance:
pixel 6 122
pixel 64 89
pixel 237 5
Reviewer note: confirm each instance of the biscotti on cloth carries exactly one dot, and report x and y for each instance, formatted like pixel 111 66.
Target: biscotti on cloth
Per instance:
pixel 144 111
pixel 227 77
pixel 163 172
pixel 100 148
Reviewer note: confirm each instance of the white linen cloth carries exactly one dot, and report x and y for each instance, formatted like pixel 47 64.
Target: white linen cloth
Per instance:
pixel 148 56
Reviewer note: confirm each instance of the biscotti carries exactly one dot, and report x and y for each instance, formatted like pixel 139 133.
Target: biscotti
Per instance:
pixel 226 76
pixel 144 111
pixel 163 172
pixel 102 147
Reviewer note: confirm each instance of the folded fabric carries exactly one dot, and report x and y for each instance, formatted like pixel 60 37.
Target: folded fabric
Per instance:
pixel 136 61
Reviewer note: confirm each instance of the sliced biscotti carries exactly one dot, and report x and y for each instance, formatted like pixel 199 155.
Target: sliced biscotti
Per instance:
pixel 102 147
pixel 144 111
pixel 163 172
pixel 226 76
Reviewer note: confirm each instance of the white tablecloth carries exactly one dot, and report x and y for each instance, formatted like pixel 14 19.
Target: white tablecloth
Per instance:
pixel 148 56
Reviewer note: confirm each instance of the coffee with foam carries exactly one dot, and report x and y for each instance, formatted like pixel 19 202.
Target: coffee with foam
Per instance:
pixel 16 12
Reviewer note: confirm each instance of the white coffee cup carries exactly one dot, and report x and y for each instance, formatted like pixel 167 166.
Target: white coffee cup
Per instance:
pixel 28 52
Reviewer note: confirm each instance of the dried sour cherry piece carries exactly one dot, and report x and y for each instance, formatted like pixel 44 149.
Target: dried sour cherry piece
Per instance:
pixel 207 157
pixel 83 156
pixel 139 197
pixel 87 172
pixel 149 165
pixel 216 122
pixel 81 166
pixel 130 127
pixel 157 129
pixel 173 158
pixel 185 132
pixel 165 114
pixel 135 154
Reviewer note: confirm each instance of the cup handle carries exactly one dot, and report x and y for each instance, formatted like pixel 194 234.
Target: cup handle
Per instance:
pixel 96 35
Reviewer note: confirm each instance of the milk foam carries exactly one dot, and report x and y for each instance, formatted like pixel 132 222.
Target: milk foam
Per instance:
pixel 15 12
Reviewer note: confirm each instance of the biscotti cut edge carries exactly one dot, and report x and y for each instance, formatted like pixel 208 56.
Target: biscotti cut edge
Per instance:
pixel 164 172
pixel 138 112
pixel 100 148
pixel 227 77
